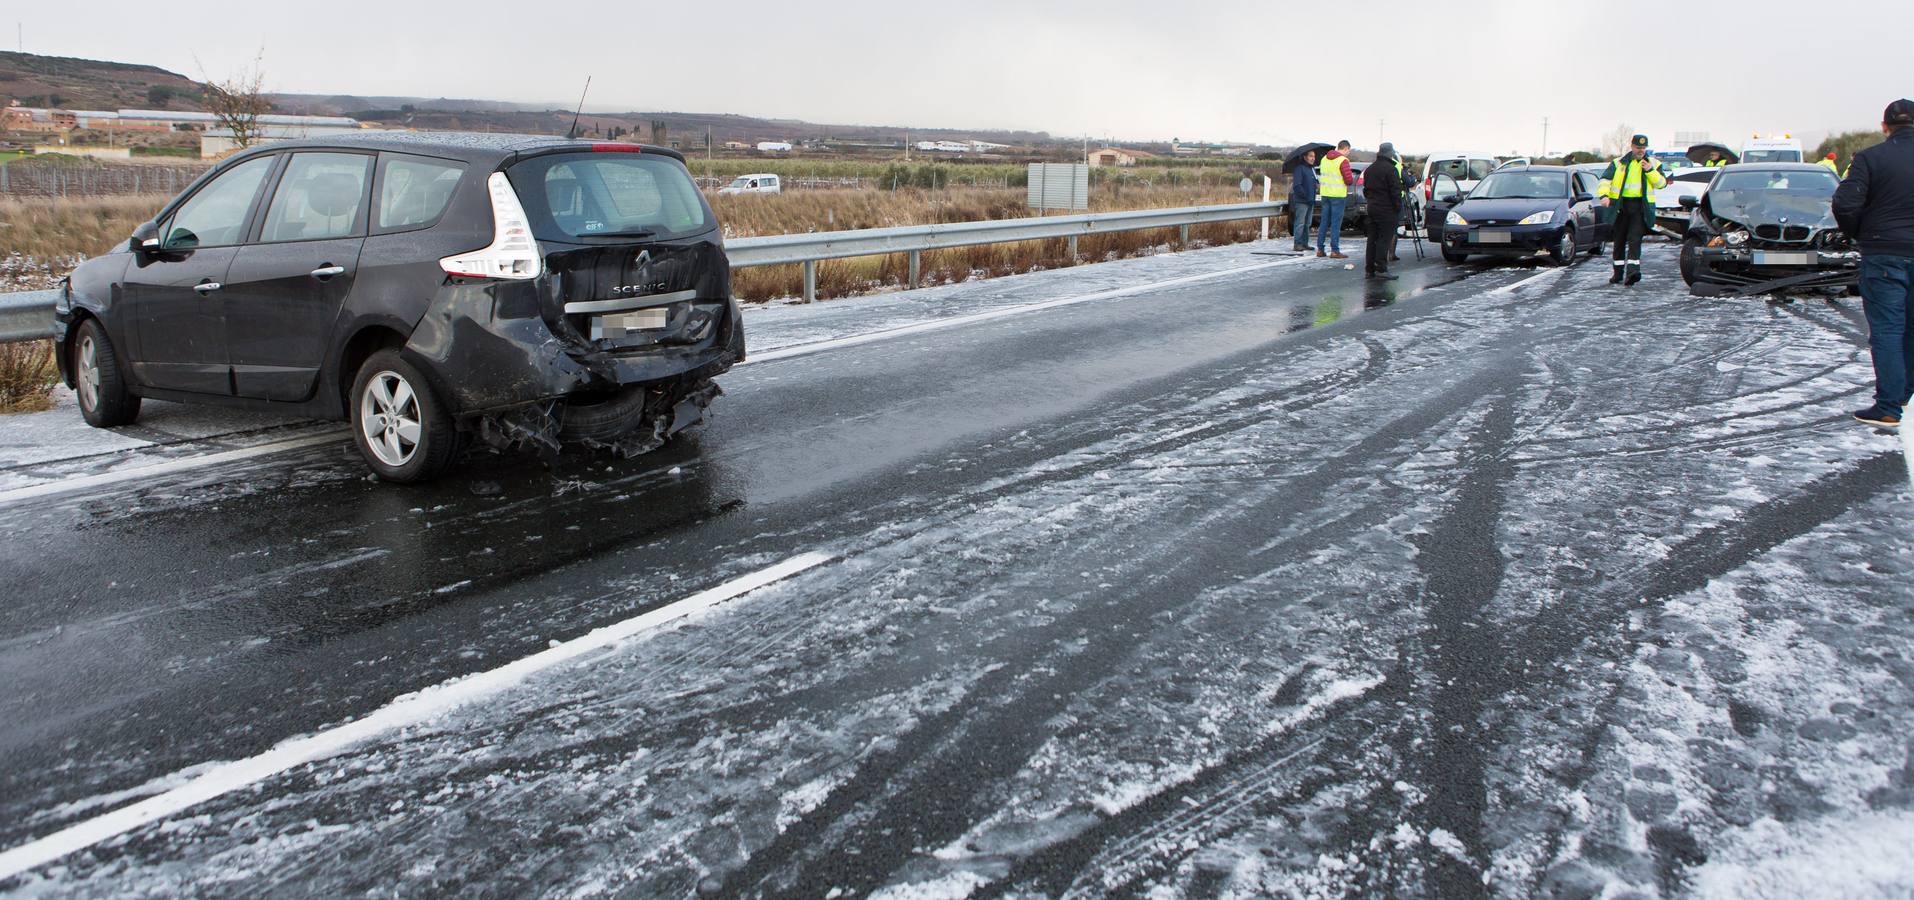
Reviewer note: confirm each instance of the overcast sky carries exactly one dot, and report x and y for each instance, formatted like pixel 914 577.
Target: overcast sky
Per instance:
pixel 1133 69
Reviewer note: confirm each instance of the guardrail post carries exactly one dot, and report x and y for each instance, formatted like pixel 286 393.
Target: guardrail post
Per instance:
pixel 1182 234
pixel 1266 200
pixel 810 281
pixel 916 267
pixel 1073 248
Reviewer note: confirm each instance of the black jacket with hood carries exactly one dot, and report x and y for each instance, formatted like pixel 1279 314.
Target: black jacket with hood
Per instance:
pixel 1875 202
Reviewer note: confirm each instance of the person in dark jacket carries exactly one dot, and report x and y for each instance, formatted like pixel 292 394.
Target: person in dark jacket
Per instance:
pixel 1302 200
pixel 1875 206
pixel 1382 192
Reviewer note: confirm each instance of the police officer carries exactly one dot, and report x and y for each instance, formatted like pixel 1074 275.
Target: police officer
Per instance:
pixel 1629 183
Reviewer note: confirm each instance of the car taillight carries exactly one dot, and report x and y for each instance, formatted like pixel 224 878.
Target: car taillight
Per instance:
pixel 512 254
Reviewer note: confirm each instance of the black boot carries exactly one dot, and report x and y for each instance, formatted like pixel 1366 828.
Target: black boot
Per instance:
pixel 1617 277
pixel 1634 275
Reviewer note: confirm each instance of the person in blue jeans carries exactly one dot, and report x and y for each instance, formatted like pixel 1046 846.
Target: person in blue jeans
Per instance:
pixel 1334 177
pixel 1302 200
pixel 1875 206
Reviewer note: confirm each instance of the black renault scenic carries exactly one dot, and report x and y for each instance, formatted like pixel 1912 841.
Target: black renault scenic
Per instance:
pixel 432 289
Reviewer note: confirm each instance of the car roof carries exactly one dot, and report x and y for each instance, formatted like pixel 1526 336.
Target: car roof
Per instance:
pixel 471 146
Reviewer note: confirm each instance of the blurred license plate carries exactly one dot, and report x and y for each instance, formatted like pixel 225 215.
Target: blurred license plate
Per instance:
pixel 1492 236
pixel 617 325
pixel 1769 258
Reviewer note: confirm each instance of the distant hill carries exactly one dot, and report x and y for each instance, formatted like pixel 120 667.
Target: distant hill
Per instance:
pixel 92 84
pixel 686 128
pixel 95 84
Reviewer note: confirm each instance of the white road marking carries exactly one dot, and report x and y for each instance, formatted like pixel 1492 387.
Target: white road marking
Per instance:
pixel 1507 289
pixel 172 465
pixel 974 318
pixel 400 712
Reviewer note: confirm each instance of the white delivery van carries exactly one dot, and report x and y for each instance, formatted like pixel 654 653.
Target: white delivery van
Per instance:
pixel 765 183
pixel 1783 149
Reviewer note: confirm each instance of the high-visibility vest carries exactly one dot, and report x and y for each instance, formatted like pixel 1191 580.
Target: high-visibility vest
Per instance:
pixel 1831 166
pixel 1715 163
pixel 1627 178
pixel 1329 173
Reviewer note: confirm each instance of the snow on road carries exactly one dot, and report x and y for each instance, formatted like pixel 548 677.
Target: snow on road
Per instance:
pixel 1561 590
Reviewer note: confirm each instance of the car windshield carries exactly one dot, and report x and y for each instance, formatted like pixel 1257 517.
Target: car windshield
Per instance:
pixel 741 181
pixel 586 195
pixel 1522 186
pixel 1771 156
pixel 1797 195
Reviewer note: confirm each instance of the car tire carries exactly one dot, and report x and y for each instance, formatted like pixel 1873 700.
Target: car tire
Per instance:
pixel 105 400
pixel 390 397
pixel 1454 258
pixel 1690 261
pixel 1563 252
pixel 603 417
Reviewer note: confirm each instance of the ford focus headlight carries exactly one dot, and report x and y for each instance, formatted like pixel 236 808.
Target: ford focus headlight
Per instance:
pixel 1735 238
pixel 1455 218
pixel 1542 218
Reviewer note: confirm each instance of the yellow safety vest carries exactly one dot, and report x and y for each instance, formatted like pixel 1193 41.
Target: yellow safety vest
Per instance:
pixel 1831 166
pixel 1629 179
pixel 1714 163
pixel 1329 178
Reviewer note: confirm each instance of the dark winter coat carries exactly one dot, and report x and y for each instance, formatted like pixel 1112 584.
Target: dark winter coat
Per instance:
pixel 1382 184
pixel 1302 185
pixel 1875 203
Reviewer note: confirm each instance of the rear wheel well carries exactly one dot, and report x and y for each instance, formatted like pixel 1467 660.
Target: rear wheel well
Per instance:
pixel 369 340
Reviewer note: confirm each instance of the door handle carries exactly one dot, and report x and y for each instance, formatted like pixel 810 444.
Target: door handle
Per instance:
pixel 325 272
pixel 207 287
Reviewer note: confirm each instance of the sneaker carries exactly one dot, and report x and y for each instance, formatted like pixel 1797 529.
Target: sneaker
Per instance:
pixel 1878 417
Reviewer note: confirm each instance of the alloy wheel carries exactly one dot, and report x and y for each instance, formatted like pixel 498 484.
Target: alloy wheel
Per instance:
pixel 88 372
pixel 389 418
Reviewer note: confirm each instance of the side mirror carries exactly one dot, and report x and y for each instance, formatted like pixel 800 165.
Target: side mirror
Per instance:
pixel 1583 198
pixel 1689 202
pixel 145 238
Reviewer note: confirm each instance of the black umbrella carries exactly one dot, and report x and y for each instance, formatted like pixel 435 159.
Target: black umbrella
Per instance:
pixel 1295 157
pixel 1699 152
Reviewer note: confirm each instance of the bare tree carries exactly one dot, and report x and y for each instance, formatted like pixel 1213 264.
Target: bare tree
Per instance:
pixel 1615 143
pixel 238 101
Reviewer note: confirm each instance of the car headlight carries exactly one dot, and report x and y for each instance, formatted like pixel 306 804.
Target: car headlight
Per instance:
pixel 1735 238
pixel 1455 218
pixel 1542 218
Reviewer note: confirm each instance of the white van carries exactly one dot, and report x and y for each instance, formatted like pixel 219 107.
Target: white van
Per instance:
pixel 765 183
pixel 1465 168
pixel 1783 149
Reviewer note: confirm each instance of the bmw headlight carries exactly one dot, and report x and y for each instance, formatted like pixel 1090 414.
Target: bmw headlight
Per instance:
pixel 1542 218
pixel 1735 238
pixel 1455 218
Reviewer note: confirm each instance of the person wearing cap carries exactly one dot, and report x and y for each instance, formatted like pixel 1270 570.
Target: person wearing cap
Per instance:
pixel 1630 183
pixel 1831 164
pixel 1382 192
pixel 1875 207
pixel 1302 199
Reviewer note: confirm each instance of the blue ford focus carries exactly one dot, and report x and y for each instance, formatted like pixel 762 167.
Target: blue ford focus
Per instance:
pixel 1518 211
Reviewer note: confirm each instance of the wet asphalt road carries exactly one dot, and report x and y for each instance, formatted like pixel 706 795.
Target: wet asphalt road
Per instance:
pixel 1124 594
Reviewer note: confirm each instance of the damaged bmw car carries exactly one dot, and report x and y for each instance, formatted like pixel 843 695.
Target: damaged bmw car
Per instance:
pixel 1766 228
pixel 432 289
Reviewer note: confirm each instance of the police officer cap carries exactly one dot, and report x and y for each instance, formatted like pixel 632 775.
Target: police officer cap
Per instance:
pixel 1900 112
pixel 1640 140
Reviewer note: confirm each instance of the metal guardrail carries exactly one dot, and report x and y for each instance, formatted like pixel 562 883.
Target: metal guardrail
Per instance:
pixel 809 249
pixel 28 315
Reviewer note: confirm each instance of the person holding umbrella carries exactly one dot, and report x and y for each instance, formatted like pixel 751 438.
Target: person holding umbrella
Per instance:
pixel 1302 199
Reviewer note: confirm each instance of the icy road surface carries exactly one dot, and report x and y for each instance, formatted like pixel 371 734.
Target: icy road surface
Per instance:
pixel 1260 581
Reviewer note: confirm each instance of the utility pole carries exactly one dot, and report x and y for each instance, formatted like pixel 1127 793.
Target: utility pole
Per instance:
pixel 1545 135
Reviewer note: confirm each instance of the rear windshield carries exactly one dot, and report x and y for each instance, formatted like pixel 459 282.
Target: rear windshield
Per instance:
pixel 1522 186
pixel 1771 156
pixel 609 195
pixel 1462 169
